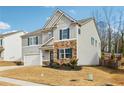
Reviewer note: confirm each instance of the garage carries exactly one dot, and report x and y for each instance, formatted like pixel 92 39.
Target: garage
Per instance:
pixel 32 60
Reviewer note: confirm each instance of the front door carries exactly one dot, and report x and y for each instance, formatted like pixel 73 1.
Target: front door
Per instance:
pixel 51 57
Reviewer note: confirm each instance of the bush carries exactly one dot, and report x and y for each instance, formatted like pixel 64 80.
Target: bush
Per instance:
pixel 102 56
pixel 66 64
pixel 19 63
pixel 113 55
pixel 55 65
pixel 73 63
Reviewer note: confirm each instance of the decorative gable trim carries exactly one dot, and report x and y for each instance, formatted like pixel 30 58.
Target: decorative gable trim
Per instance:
pixel 62 14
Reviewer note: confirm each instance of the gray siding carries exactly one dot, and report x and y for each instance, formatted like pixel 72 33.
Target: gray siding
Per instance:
pixel 25 40
pixel 31 50
pixel 65 23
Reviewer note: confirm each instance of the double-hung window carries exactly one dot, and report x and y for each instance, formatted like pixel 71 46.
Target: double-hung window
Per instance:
pixel 50 34
pixel 65 53
pixel 33 40
pixel 61 53
pixel 64 34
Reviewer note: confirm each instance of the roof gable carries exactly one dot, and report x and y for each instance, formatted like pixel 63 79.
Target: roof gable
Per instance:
pixel 57 15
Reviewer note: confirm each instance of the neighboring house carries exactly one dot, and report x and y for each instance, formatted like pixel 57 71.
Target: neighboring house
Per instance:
pixel 11 46
pixel 61 39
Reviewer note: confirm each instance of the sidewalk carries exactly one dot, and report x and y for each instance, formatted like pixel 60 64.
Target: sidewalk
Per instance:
pixel 20 82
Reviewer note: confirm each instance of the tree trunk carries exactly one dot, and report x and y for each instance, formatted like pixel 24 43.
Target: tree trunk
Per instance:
pixel 122 43
pixel 109 40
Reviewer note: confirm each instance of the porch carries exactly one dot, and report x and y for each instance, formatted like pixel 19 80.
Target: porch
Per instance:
pixel 47 55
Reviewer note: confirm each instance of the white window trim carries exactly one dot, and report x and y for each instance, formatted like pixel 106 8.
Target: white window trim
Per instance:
pixel 63 53
pixel 32 41
pixel 92 38
pixel 1 41
pixel 65 40
pixel 62 34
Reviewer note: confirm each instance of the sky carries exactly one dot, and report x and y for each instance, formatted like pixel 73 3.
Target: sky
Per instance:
pixel 31 18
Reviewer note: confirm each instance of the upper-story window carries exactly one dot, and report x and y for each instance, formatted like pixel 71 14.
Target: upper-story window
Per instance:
pixel 64 34
pixel 1 42
pixel 92 41
pixel 96 43
pixel 50 34
pixel 33 40
pixel 79 31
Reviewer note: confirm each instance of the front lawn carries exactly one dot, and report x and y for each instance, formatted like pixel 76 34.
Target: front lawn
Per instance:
pixel 6 84
pixel 7 63
pixel 51 76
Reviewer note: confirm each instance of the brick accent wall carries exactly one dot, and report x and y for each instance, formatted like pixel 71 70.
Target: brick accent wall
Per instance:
pixel 65 44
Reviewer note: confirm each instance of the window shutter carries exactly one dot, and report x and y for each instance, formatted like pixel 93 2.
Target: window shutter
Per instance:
pixel 1 42
pixel 68 32
pixel 57 53
pixel 71 52
pixel 28 41
pixel 60 34
pixel 36 40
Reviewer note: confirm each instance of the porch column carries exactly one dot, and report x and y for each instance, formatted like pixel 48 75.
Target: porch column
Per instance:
pixel 41 57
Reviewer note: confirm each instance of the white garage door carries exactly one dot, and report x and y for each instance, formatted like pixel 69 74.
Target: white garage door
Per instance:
pixel 31 60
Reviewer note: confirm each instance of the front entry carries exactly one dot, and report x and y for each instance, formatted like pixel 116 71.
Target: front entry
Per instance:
pixel 51 57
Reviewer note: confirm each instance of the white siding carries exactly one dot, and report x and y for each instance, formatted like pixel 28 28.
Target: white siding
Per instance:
pixel 13 47
pixel 87 53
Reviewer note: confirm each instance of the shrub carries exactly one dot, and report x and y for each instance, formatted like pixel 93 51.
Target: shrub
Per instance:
pixel 19 63
pixel 102 56
pixel 55 65
pixel 113 55
pixel 73 63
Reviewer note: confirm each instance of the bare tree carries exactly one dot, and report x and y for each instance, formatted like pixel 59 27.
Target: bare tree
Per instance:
pixel 108 16
pixel 102 29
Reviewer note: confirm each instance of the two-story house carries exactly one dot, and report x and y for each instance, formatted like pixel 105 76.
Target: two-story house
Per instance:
pixel 11 46
pixel 61 39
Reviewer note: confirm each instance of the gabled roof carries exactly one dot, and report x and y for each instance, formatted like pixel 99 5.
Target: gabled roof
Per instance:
pixel 83 21
pixel 9 33
pixel 62 13
pixel 39 31
pixel 47 42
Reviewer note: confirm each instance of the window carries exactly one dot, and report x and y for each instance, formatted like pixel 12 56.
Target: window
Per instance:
pixel 65 53
pixel 92 41
pixel 79 31
pixel 33 40
pixel 50 34
pixel 61 51
pixel 1 42
pixel 96 43
pixel 64 34
pixel 68 53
